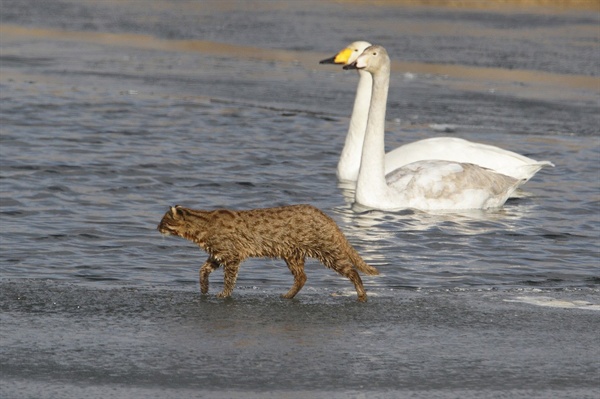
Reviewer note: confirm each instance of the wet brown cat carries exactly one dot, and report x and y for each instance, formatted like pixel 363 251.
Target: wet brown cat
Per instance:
pixel 289 232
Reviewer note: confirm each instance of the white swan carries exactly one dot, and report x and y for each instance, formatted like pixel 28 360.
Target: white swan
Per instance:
pixel 425 185
pixel 443 148
pixel 347 169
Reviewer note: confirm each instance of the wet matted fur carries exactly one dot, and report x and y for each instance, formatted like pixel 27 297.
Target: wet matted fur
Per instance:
pixel 289 232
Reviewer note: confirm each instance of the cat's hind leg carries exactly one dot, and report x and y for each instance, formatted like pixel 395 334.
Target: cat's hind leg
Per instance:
pixel 206 269
pixel 230 271
pixel 344 267
pixel 296 266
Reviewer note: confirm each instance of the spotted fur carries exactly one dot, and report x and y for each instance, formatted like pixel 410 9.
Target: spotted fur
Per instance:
pixel 289 232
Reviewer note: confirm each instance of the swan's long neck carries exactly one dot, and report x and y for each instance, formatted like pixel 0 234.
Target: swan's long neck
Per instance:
pixel 351 154
pixel 371 184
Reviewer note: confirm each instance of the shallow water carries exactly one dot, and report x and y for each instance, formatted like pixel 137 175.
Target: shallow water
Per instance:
pixel 107 121
pixel 71 341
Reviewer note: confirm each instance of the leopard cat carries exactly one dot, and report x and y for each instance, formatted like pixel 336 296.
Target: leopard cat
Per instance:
pixel 289 232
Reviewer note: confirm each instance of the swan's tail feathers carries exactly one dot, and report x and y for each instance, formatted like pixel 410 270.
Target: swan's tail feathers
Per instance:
pixel 359 263
pixel 546 163
pixel 526 172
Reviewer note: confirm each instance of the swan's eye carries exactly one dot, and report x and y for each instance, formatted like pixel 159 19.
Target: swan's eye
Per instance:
pixel 375 53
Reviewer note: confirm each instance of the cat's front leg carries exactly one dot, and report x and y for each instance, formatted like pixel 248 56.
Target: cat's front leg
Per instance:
pixel 207 268
pixel 230 272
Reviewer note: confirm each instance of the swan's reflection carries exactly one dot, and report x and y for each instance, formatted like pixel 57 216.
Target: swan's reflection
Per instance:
pixel 413 241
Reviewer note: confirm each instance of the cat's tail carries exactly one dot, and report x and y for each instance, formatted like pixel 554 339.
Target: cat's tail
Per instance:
pixel 358 262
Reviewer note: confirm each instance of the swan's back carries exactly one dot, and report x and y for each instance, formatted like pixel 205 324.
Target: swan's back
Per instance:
pixel 442 185
pixel 459 150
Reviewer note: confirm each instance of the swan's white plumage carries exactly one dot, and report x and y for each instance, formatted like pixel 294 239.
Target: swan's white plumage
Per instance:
pixel 444 148
pixel 443 184
pixel 424 185
pixel 347 169
pixel 459 150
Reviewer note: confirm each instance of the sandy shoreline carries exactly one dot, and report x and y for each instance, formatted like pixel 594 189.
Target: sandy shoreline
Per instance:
pixel 553 84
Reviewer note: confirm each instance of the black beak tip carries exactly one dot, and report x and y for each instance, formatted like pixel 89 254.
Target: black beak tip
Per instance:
pixel 328 61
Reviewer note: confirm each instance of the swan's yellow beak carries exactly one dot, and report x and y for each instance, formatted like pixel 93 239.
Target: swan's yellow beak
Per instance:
pixel 340 58
pixel 343 56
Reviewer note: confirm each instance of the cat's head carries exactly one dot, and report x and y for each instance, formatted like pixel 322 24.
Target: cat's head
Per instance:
pixel 173 222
